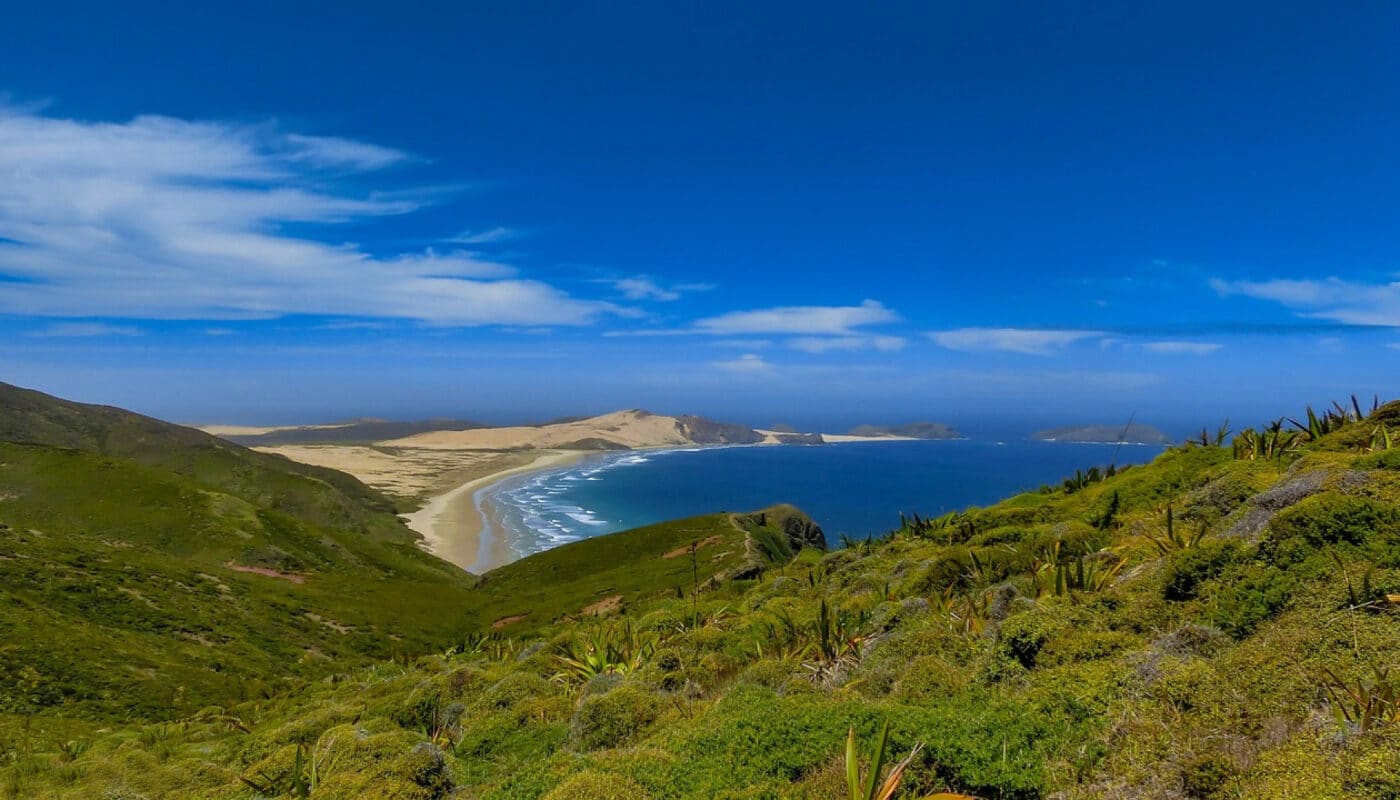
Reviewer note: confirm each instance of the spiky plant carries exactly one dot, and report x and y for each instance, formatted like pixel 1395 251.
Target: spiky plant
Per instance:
pixel 1169 540
pixel 869 786
pixel 1060 576
pixel 608 650
pixel 1365 703
pixel 782 638
pixel 1381 439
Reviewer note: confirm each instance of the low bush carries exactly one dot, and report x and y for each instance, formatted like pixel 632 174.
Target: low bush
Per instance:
pixel 614 718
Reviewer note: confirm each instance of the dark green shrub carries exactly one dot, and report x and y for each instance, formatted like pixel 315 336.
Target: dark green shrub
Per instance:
pixel 1327 520
pixel 1188 569
pixel 1247 595
pixel 1205 775
pixel 608 720
pixel 1024 635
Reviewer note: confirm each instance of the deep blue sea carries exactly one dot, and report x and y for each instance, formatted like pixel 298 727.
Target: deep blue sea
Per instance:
pixel 855 488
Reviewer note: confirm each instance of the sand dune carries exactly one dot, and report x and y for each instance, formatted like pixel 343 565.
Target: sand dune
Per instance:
pixel 620 429
pixel 401 471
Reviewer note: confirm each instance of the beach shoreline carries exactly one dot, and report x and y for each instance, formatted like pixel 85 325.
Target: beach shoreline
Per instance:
pixel 453 525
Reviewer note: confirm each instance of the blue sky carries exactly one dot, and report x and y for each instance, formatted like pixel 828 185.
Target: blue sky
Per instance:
pixel 987 214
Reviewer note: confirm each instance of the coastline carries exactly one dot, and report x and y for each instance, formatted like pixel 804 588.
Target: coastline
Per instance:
pixel 457 527
pixel 453 526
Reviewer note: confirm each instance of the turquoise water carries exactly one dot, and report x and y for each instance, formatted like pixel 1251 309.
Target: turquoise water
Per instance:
pixel 854 488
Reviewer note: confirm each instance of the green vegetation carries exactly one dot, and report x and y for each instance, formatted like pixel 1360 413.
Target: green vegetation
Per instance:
pixel 1205 627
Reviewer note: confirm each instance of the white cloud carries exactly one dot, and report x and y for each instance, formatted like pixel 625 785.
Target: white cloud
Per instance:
pixel 1027 341
pixel 826 344
pixel 744 344
pixel 644 289
pixel 799 320
pixel 749 364
pixel 85 330
pixel 1333 299
pixel 488 236
pixel 1182 348
pixel 160 218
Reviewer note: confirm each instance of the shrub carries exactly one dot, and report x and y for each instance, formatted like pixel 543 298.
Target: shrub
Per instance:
pixel 1024 635
pixel 608 720
pixel 928 678
pixel 594 785
pixel 769 673
pixel 1205 775
pixel 1248 594
pixel 1188 569
pixel 513 688
pixel 1327 520
pixel 1371 768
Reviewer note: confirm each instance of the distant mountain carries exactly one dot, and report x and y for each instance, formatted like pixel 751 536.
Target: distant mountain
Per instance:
pixel 1136 433
pixel 153 569
pixel 358 432
pixel 912 430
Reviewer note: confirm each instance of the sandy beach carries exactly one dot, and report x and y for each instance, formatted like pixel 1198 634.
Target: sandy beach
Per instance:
pixel 453 525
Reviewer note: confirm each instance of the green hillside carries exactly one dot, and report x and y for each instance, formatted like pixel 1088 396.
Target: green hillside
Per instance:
pixel 148 569
pixel 1221 623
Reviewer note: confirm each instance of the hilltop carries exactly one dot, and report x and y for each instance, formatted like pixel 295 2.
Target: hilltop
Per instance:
pixel 1134 433
pixel 912 430
pixel 1220 623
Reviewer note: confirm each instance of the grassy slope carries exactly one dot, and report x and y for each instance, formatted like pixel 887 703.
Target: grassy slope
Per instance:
pixel 631 566
pixel 1198 672
pixel 118 537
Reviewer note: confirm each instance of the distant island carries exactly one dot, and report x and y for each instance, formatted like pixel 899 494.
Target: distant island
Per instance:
pixel 1135 433
pixel 912 430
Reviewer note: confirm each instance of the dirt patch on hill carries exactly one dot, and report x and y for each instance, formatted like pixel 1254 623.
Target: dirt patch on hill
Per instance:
pixel 510 620
pixel 703 543
pixel 608 605
pixel 268 573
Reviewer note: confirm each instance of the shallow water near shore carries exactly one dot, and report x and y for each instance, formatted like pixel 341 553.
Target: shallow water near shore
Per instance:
pixel 854 488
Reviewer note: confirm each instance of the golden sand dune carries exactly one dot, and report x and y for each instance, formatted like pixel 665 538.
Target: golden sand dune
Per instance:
pixel 620 429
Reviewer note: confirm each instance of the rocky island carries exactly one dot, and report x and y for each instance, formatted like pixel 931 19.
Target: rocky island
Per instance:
pixel 1134 433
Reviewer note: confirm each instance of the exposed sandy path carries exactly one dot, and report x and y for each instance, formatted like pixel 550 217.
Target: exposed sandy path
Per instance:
pixel 452 524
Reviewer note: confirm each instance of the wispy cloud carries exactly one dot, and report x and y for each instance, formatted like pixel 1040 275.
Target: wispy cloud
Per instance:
pixel 1182 348
pixel 826 344
pixel 161 218
pixel 800 320
pixel 1347 302
pixel 487 236
pixel 85 330
pixel 744 344
pixel 1027 341
pixel 643 287
pixel 748 364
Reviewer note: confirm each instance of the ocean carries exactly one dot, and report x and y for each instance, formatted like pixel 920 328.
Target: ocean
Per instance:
pixel 855 488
